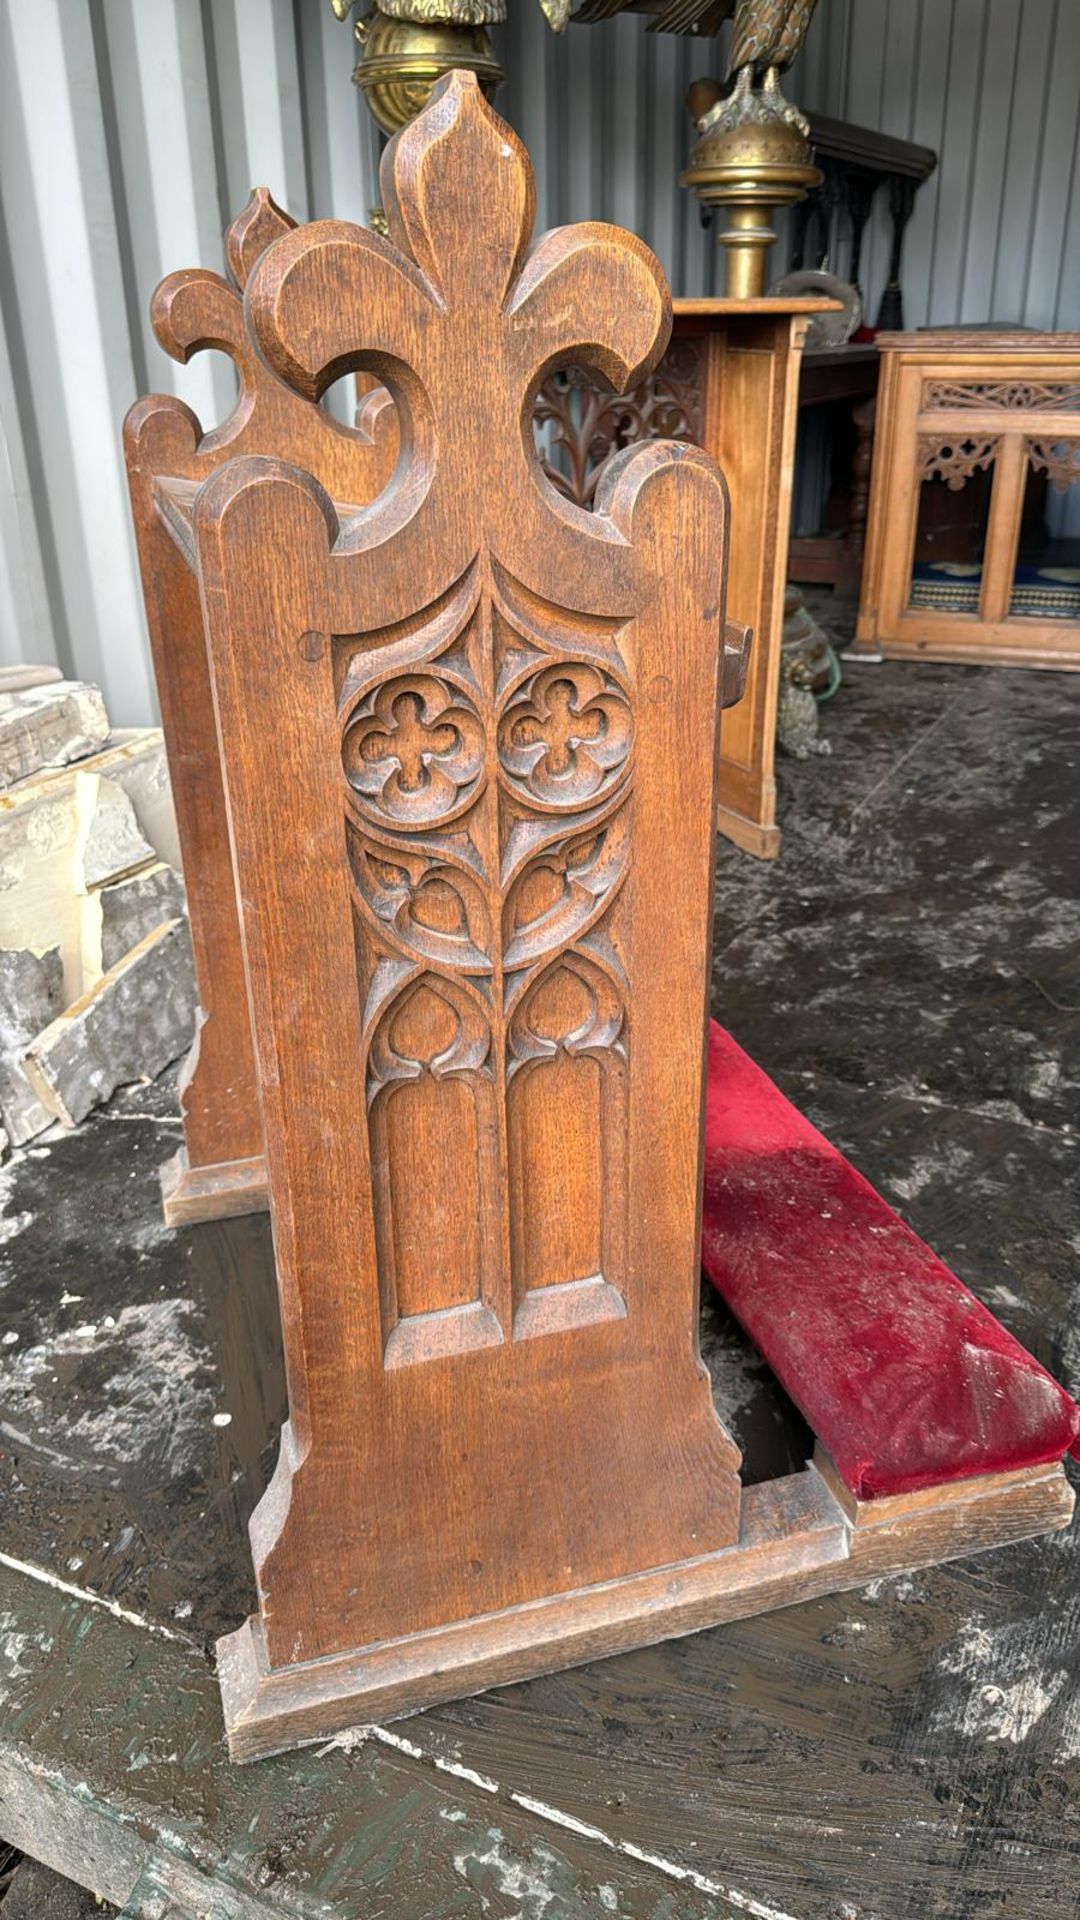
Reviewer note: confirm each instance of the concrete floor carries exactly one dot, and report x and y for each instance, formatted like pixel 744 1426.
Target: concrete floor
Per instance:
pixel 909 972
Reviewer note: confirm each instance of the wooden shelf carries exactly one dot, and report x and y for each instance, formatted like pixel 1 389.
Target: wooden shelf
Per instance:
pixel 767 303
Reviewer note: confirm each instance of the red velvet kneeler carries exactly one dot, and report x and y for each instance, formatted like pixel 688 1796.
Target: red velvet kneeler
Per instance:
pixel 906 1379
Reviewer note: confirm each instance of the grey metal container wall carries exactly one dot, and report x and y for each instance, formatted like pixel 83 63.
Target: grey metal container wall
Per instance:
pixel 130 134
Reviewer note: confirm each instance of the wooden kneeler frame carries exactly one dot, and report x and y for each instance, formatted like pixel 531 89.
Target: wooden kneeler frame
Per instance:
pixel 468 737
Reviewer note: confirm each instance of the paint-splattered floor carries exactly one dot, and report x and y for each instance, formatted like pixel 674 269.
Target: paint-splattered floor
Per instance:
pixel 909 971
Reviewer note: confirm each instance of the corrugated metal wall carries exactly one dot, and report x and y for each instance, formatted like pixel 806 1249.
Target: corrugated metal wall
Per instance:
pixel 130 132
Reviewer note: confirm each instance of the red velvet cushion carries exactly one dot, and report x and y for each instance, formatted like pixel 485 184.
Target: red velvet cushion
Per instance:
pixel 903 1375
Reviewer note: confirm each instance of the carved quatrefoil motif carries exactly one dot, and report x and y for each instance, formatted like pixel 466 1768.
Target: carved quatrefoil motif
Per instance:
pixel 414 751
pixel 565 736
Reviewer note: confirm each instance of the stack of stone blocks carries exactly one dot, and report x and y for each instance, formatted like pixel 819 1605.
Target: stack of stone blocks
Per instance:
pixel 97 987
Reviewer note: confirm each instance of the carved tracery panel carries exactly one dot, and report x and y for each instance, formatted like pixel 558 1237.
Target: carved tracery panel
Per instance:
pixel 1058 459
pixel 955 459
pixel 487 759
pixel 1059 396
pixel 578 424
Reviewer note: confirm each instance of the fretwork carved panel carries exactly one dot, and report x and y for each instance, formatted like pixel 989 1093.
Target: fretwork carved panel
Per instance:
pixel 1058 459
pixel 469 736
pixel 1059 396
pixel 487 821
pixel 954 460
pixel 579 424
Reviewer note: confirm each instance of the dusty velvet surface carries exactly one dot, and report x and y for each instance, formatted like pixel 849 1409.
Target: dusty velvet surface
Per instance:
pixel 905 1377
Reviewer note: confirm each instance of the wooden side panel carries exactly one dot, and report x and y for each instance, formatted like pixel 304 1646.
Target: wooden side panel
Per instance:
pixel 557 1188
pixel 469 738
pixel 427 1204
pixel 192 310
pixel 219 1099
pixel 750 418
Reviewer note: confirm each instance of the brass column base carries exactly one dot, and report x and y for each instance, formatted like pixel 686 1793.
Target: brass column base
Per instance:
pixel 750 165
pixel 750 205
pixel 401 60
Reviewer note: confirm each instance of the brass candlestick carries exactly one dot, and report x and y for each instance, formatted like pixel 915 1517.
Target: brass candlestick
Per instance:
pixel 750 160
pixel 401 60
pixel 407 45
pixel 754 152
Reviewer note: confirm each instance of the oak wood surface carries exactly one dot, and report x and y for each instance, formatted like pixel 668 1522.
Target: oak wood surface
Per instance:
pixel 749 421
pixel 874 1748
pixel 771 305
pixel 729 382
pixel 801 1535
pixel 468 772
pixel 219 1170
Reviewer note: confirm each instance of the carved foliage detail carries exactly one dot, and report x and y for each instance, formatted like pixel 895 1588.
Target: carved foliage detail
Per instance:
pixel 434 310
pixel 486 744
pixel 431 907
pixel 954 460
pixel 195 309
pixel 540 1026
pixel 1058 459
pixel 413 751
pixel 559 893
pixel 261 222
pixel 564 737
pixel 433 1027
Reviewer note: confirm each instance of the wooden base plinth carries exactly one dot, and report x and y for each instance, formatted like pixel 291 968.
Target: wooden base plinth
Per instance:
pixel 750 835
pixel 1012 643
pixel 801 1536
pixel 190 1194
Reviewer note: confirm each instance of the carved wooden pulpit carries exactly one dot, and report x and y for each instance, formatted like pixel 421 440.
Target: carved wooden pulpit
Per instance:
pixel 468 749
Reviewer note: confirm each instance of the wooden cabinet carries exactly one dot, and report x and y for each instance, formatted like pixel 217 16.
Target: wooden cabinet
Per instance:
pixel 992 420
pixel 730 381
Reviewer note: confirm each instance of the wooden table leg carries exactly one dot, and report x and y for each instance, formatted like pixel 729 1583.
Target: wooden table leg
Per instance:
pixel 849 569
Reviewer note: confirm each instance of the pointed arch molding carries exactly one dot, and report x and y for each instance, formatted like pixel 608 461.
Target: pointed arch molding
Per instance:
pixel 488 764
pixel 469 735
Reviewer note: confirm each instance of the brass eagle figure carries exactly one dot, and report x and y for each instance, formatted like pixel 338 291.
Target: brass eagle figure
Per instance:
pixel 768 33
pixel 766 37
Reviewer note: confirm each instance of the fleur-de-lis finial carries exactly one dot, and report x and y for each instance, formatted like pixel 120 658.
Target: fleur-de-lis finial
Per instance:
pixel 423 311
